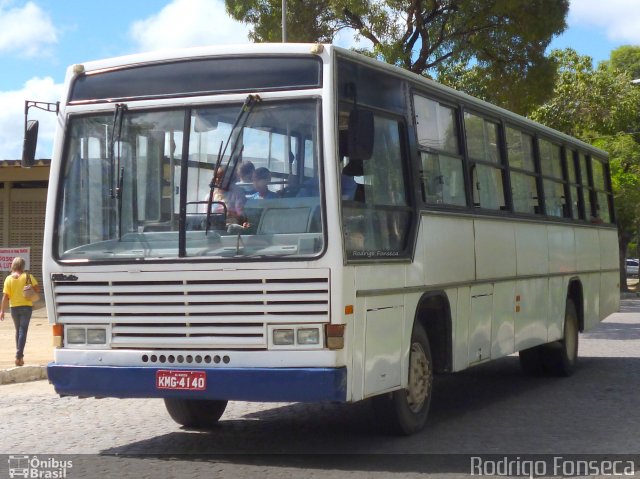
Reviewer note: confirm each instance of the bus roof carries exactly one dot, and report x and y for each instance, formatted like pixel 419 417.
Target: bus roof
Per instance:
pixel 328 50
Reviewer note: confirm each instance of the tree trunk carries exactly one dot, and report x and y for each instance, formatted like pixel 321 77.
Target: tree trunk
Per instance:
pixel 623 242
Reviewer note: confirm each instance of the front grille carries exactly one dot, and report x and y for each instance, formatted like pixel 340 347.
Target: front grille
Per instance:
pixel 203 310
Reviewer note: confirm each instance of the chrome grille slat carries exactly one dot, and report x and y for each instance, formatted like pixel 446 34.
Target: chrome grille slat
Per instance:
pixel 205 310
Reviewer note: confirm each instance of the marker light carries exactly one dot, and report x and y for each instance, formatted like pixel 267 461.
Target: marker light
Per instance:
pixel 58 332
pixel 335 336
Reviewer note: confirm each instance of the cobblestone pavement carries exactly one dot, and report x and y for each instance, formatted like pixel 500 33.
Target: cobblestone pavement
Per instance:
pixel 490 409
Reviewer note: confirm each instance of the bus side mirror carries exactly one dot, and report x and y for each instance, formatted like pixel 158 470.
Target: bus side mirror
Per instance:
pixel 360 136
pixel 29 145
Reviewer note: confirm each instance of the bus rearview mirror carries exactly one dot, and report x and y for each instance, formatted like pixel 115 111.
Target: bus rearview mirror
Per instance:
pixel 29 145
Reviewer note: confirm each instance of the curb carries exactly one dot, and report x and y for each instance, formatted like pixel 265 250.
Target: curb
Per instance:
pixel 23 374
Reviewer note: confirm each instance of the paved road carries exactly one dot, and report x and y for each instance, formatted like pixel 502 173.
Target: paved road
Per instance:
pixel 489 409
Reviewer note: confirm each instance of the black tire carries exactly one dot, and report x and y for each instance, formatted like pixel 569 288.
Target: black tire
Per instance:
pixel 531 361
pixel 197 413
pixel 404 412
pixel 560 357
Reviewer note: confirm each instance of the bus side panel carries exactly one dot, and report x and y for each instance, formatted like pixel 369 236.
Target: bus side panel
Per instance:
pixel 415 272
pixel 449 253
pixel 609 281
pixel 383 344
pixel 591 291
pixel 531 249
pixel 380 341
pixel 609 294
pixel 562 249
pixel 495 248
pixel 461 328
pixel 531 320
pixel 588 250
pixel 503 327
pixel 557 305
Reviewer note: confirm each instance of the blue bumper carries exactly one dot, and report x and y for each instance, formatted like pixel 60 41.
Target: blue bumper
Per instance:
pixel 238 384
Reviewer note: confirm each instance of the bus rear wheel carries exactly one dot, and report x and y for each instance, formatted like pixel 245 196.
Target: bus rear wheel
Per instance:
pixel 197 413
pixel 404 412
pixel 560 357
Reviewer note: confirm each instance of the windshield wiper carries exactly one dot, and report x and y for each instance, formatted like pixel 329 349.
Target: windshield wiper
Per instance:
pixel 234 155
pixel 116 135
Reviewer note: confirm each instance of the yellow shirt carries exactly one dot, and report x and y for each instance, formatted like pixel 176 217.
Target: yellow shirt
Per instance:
pixel 13 288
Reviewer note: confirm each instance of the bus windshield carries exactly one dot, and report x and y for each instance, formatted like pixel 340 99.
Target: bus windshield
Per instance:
pixel 159 188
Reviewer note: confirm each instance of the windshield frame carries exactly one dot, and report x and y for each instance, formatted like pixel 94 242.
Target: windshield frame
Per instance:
pixel 183 162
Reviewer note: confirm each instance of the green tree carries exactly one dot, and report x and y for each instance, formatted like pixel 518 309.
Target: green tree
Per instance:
pixel 602 107
pixel 503 41
pixel 627 59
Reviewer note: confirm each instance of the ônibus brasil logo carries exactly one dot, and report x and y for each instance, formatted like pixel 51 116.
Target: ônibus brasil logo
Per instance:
pixel 38 468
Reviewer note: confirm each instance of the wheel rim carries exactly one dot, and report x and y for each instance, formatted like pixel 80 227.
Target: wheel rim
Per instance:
pixel 419 378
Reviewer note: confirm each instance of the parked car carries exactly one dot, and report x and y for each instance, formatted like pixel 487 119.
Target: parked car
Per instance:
pixel 632 267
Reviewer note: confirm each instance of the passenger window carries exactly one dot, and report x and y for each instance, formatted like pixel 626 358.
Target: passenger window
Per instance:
pixel 482 138
pixel 377 220
pixel 487 187
pixel 436 126
pixel 442 173
pixel 482 146
pixel 525 193
pixel 443 180
pixel 520 150
pixel 550 160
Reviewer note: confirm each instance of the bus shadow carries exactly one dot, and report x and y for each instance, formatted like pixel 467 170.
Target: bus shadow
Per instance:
pixel 488 408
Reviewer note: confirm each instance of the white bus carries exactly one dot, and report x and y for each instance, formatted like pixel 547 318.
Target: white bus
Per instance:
pixel 408 230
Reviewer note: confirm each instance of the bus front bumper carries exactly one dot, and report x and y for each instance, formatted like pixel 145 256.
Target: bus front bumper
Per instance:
pixel 237 384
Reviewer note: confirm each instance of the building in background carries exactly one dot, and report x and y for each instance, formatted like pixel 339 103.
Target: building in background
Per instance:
pixel 23 197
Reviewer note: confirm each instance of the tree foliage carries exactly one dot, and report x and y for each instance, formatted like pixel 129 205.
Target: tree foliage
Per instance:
pixel 588 102
pixel 502 41
pixel 601 106
pixel 627 59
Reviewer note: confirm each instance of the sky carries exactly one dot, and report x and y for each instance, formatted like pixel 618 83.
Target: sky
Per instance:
pixel 40 38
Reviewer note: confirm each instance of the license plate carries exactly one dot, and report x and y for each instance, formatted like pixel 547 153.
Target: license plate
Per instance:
pixel 183 380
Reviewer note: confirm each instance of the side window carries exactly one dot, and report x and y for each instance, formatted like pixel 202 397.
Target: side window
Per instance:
pixel 486 165
pixel 555 199
pixel 442 169
pixel 575 189
pixel 587 190
pixel 602 193
pixel 524 187
pixel 377 217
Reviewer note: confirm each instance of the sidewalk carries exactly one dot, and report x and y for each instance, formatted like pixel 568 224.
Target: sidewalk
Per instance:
pixel 38 351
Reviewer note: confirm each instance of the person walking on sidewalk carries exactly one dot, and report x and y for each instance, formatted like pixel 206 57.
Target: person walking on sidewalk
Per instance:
pixel 21 307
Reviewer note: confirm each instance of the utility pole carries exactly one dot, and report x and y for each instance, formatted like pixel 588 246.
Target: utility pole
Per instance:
pixel 284 21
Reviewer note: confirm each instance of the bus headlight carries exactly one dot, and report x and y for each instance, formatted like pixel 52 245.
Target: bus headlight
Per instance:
pixel 308 336
pixel 76 335
pixel 283 337
pixel 97 336
pixel 91 336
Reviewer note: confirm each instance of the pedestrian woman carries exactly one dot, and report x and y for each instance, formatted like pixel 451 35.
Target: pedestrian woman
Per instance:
pixel 21 307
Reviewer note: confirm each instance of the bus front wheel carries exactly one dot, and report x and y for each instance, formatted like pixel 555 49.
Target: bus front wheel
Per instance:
pixel 404 411
pixel 197 413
